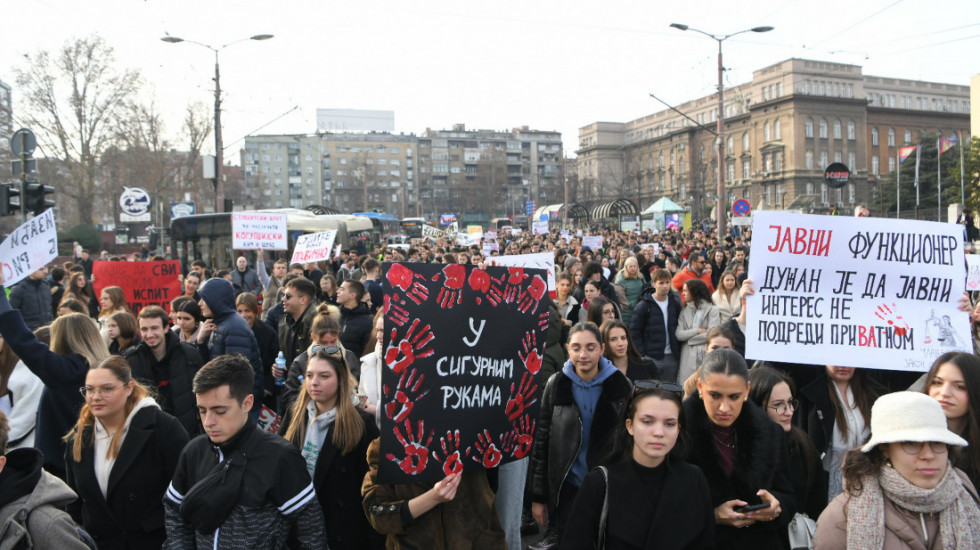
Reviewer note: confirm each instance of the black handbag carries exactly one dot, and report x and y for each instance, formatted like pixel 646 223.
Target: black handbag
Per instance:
pixel 210 501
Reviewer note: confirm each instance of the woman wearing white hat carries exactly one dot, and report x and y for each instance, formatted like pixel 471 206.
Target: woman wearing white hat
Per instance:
pixel 900 489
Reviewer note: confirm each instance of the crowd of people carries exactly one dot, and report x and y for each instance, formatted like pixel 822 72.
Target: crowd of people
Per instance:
pixel 141 429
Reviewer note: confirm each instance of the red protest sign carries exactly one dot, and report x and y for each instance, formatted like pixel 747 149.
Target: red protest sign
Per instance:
pixel 143 283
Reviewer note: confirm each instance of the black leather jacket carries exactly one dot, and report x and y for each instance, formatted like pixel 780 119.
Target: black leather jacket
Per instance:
pixel 559 433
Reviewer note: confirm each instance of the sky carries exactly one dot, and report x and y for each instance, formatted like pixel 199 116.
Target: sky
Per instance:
pixel 501 64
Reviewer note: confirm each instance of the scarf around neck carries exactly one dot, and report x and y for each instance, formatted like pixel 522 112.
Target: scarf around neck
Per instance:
pixel 959 516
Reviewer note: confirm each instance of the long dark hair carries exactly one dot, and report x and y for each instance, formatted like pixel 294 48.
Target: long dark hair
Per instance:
pixel 968 457
pixel 594 314
pixel 762 379
pixel 865 395
pixel 858 465
pixel 698 291
pixel 623 444
pixel 631 352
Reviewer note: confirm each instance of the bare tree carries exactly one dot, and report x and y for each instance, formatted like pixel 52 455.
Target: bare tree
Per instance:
pixel 71 99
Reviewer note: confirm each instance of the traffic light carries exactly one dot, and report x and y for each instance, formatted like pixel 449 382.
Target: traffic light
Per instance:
pixel 34 198
pixel 9 204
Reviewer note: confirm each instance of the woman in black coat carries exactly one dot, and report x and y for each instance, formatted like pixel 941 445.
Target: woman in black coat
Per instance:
pixel 741 452
pixel 333 436
pixel 656 500
pixel 121 456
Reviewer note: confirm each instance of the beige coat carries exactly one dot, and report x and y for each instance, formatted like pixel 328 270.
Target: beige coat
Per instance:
pixel 903 529
pixel 691 339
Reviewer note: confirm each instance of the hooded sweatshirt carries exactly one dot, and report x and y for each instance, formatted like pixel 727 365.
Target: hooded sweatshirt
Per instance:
pixel 232 333
pixel 586 395
pixel 103 463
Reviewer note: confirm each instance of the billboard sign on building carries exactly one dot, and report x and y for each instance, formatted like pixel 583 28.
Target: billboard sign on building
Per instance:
pixel 354 120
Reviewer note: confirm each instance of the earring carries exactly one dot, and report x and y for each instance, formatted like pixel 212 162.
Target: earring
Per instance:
pixel 888 462
pixel 699 395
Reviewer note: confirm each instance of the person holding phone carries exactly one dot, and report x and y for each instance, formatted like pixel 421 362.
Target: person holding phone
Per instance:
pixel 742 453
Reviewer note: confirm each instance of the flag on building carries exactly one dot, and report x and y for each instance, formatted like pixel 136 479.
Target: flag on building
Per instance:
pixel 946 143
pixel 905 152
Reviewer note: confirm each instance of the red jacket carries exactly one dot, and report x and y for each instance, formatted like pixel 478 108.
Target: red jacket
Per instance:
pixel 686 275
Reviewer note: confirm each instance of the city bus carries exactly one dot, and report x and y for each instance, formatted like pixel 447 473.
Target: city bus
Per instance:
pixel 208 236
pixel 412 227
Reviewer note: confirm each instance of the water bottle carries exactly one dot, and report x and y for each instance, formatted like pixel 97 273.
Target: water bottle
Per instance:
pixel 281 365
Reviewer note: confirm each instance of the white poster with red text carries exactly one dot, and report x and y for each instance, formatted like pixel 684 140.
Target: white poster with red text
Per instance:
pixel 855 292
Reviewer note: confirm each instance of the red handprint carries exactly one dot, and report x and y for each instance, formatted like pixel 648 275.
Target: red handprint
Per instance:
pixel 451 293
pixel 508 287
pixel 524 398
pixel 531 297
pixel 489 454
pixel 394 311
pixel 416 452
pixel 400 354
pixel 406 394
pixel 530 356
pixel 452 459
pixel 405 279
pixel 519 441
pixel 479 281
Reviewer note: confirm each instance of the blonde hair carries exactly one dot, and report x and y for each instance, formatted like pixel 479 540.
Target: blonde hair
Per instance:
pixel 76 333
pixel 119 368
pixel 625 274
pixel 348 427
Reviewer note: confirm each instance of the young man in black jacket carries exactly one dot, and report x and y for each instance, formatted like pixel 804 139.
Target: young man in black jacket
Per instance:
pixel 163 362
pixel 236 477
pixel 32 297
pixel 356 320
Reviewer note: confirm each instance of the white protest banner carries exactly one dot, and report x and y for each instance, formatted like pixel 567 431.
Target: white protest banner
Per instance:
pixel 578 232
pixel 431 232
pixel 29 247
pixel 565 234
pixel 258 231
pixel 490 235
pixel 516 231
pixel 972 272
pixel 467 239
pixel 542 260
pixel 540 228
pixel 594 242
pixel 313 247
pixel 490 247
pixel 855 292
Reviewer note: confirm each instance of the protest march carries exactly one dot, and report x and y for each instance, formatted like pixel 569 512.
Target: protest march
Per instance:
pixel 470 387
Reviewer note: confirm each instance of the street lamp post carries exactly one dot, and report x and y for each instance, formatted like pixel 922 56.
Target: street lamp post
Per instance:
pixel 721 205
pixel 219 187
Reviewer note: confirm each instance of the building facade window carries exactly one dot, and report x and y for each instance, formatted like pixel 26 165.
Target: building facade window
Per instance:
pixel 823 194
pixel 908 137
pixel 891 137
pixel 808 127
pixel 851 194
pixel 823 128
pixel 746 169
pixel 874 165
pixel 766 133
pixel 891 164
pixel 874 137
pixel 776 130
pixel 745 143
pixel 809 160
pixel 837 129
pixel 823 160
pixel 852 162
pixel 851 132
pixel 730 143
pixel 731 172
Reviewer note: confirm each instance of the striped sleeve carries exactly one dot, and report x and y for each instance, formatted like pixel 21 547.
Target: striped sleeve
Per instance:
pixel 296 503
pixel 174 495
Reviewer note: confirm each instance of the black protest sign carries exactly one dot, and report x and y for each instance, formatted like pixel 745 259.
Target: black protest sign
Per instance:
pixel 462 350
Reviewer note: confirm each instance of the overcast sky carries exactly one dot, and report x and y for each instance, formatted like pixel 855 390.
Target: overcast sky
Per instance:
pixel 551 65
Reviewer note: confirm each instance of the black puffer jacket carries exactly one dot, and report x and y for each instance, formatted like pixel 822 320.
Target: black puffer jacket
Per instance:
pixel 232 334
pixel 647 325
pixel 181 362
pixel 559 434
pixel 357 325
pixel 761 462
pixel 33 298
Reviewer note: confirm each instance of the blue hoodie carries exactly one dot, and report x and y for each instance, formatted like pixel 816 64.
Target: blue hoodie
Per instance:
pixel 232 333
pixel 586 395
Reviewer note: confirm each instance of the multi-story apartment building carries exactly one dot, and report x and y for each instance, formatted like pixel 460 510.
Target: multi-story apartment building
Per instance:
pixel 488 173
pixel 478 173
pixel 782 129
pixel 349 172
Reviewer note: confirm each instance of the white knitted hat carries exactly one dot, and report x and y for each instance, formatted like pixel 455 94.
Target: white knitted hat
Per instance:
pixel 909 416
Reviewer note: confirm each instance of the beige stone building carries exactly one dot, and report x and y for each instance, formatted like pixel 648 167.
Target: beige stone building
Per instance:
pixel 782 129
